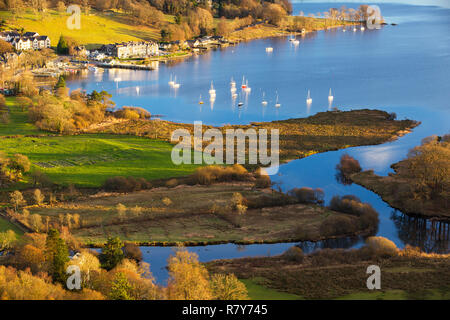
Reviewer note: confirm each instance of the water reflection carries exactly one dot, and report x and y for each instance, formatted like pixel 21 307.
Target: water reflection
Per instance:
pixel 429 235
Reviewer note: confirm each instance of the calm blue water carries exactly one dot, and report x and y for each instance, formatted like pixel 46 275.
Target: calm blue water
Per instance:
pixel 403 69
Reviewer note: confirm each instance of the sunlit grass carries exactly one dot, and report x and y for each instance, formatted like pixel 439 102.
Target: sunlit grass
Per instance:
pixel 96 28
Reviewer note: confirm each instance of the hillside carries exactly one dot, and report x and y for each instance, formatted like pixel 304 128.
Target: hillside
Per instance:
pixel 96 28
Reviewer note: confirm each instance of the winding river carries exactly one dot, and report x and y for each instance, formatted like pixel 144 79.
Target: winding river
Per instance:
pixel 403 69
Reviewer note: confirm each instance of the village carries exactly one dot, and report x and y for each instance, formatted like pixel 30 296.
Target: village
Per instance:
pixel 143 55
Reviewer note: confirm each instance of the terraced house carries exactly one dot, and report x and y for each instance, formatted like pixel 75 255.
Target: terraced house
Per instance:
pixel 27 41
pixel 134 49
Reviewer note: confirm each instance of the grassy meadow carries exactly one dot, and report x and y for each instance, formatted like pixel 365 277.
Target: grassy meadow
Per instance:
pixel 341 274
pixel 86 160
pixel 193 215
pixel 97 28
pixel 18 121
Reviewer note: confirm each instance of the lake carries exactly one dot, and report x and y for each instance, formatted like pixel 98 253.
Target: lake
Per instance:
pixel 403 69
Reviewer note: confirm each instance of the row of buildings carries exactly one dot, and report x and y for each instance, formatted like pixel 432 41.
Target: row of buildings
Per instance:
pixel 26 41
pixel 143 49
pixel 131 49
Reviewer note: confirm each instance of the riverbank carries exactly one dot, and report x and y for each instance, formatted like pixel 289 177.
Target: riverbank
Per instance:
pixel 341 274
pixel 264 30
pixel 234 212
pixel 419 184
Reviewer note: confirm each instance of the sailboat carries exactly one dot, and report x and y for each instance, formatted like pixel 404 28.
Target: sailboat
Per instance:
pixel 171 82
pixel 240 103
pixel 212 91
pixel 232 83
pixel 264 102
pixel 277 104
pixel 247 88
pixel 354 29
pixel 244 85
pixel 294 40
pixel 308 98
pixel 330 97
pixel 175 84
pixel 200 100
pixel 362 28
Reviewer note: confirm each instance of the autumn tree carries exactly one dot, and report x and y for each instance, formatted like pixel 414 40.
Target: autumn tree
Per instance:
pixel 88 263
pixel 24 102
pixel 224 28
pixel 17 200
pixel 38 197
pixel 188 278
pixel 228 287
pixel 7 240
pixel 121 288
pixel 5 47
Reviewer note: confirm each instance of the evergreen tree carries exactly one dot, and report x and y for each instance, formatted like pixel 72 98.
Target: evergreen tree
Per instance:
pixel 57 256
pixel 112 253
pixel 61 82
pixel 63 46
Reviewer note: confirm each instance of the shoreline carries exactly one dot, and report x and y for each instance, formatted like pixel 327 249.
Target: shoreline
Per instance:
pixel 363 182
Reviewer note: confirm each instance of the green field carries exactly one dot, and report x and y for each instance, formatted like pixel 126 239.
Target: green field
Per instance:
pixel 88 160
pixel 259 292
pixel 96 28
pixel 6 225
pixel 18 121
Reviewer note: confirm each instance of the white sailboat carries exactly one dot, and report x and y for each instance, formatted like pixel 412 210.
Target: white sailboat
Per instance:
pixel 308 98
pixel 362 28
pixel 243 86
pixel 277 104
pixel 264 102
pixel 330 97
pixel 175 84
pixel 269 49
pixel 354 29
pixel 232 83
pixel 171 82
pixel 212 91
pixel 240 103
pixel 247 88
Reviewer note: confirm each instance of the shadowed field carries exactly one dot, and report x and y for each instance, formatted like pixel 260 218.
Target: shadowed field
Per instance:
pixel 194 215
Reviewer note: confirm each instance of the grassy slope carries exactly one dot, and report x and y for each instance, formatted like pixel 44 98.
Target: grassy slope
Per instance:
pixel 87 160
pixel 96 28
pixel 18 124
